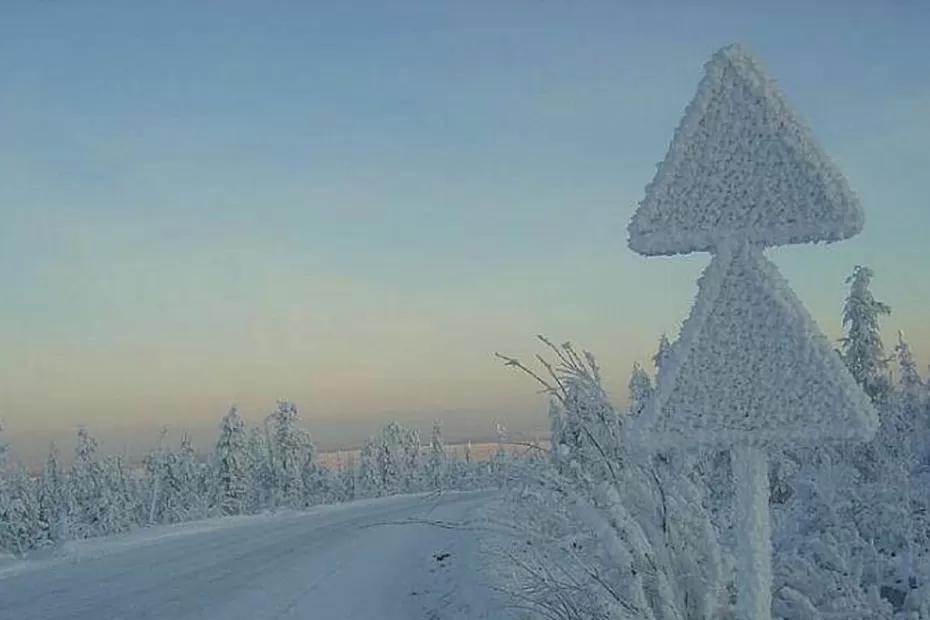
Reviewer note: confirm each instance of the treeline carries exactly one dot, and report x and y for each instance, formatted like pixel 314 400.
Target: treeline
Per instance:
pixel 266 466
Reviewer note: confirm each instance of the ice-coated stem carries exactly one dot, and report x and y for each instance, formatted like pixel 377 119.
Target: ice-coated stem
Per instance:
pixel 753 532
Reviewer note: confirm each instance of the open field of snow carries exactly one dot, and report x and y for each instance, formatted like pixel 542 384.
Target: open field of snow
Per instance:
pixel 368 559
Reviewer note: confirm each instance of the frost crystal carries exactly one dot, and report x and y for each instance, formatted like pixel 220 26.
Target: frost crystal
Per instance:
pixel 742 166
pixel 751 367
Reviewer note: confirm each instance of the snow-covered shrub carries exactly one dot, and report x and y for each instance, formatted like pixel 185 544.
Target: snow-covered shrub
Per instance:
pixel 602 529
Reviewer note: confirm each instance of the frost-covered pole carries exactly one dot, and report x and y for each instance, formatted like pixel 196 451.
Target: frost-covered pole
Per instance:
pixel 753 532
pixel 750 369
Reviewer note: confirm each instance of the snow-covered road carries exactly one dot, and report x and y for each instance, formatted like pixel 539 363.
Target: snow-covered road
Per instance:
pixel 356 561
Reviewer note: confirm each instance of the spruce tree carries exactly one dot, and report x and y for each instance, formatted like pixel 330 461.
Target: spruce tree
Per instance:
pixel 662 352
pixel 21 527
pixel 53 498
pixel 87 488
pixel 910 380
pixel 437 465
pixel 641 390
pixel 290 451
pixel 157 469
pixel 260 472
pixel 231 466
pixel 862 347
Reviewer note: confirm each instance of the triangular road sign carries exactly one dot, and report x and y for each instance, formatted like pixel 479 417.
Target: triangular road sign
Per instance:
pixel 751 367
pixel 742 166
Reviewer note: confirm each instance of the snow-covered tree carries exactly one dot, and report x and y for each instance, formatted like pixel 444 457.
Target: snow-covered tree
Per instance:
pixel 662 352
pixel 189 482
pixel 912 396
pixel 321 485
pixel 291 449
pixel 390 461
pixel 500 463
pixel 261 475
pixel 437 465
pixel 21 526
pixel 231 465
pixel 910 380
pixel 53 500
pixel 101 492
pixel 87 488
pixel 372 472
pixel 862 347
pixel 640 387
pixel 123 506
pixel 348 478
pixel 4 447
pixel 158 478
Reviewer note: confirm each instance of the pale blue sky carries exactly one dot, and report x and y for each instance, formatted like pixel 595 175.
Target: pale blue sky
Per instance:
pixel 352 204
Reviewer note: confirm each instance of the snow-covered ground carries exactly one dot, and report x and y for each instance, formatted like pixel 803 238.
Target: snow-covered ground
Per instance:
pixel 387 558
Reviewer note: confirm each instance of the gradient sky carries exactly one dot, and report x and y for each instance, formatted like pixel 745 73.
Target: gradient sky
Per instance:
pixel 352 204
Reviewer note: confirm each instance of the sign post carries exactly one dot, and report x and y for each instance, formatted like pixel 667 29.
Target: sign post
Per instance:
pixel 750 369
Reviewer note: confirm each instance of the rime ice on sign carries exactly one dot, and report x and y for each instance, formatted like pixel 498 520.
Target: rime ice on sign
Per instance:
pixel 750 368
pixel 742 165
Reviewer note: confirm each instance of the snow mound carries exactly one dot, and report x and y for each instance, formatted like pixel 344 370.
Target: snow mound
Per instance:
pixel 742 165
pixel 752 368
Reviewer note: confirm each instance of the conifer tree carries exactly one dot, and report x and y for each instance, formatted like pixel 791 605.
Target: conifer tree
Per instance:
pixel 188 478
pixel 290 451
pixel 662 352
pixel 158 472
pixel 910 377
pixel 348 478
pixel 909 407
pixel 437 464
pixel 862 347
pixel 371 474
pixel 3 450
pixel 118 506
pixel 21 526
pixel 641 390
pixel 231 465
pixel 52 498
pixel 87 488
pixel 260 471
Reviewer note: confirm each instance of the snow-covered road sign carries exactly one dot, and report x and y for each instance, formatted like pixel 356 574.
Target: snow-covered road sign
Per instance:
pixel 742 166
pixel 750 368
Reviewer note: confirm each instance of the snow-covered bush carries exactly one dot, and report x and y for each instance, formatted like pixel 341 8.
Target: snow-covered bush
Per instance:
pixel 602 529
